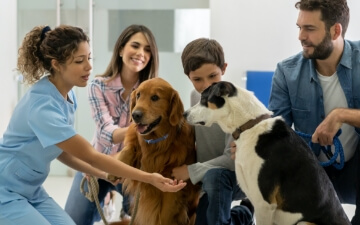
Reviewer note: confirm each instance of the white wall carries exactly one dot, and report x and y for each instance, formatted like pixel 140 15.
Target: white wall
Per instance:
pixel 8 54
pixel 257 34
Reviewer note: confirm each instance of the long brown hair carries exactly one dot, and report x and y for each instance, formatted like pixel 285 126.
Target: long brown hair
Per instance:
pixel 115 65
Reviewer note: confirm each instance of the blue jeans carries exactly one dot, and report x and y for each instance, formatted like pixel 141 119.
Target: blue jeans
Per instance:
pixel 84 212
pixel 221 188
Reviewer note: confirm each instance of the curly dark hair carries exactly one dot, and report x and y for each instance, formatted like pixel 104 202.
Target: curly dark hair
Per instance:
pixel 42 44
pixel 332 11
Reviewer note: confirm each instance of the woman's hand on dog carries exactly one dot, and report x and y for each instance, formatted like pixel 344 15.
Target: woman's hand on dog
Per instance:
pixel 166 184
pixel 233 150
pixel 180 173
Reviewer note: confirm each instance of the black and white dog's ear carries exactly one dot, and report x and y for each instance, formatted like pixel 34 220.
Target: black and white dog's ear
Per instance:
pixel 223 88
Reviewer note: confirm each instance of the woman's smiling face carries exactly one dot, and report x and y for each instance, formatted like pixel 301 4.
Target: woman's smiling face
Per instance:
pixel 136 53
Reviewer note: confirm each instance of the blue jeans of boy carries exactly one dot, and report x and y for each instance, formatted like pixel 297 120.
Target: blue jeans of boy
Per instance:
pixel 83 211
pixel 221 188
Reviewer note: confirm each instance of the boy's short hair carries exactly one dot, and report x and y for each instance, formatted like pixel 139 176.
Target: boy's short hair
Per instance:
pixel 202 51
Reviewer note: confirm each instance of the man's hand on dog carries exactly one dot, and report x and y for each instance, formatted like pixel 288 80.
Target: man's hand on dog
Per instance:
pixel 166 184
pixel 325 132
pixel 180 173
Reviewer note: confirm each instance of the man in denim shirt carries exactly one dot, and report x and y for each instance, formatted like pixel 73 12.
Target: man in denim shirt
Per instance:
pixel 318 90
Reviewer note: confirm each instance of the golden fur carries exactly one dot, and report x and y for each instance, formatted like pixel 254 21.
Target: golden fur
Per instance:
pixel 154 99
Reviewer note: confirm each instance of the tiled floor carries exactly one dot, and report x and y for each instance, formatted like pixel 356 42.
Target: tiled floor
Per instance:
pixel 58 188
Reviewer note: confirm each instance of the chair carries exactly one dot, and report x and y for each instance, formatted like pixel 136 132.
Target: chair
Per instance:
pixel 259 82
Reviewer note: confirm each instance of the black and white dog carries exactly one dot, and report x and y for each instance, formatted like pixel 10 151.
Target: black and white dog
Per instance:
pixel 274 167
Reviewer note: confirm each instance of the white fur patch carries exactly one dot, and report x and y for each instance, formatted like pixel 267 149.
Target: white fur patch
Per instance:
pixel 247 167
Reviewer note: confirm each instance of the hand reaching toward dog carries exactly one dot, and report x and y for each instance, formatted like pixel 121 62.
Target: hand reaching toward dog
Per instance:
pixel 157 180
pixel 166 184
pixel 180 173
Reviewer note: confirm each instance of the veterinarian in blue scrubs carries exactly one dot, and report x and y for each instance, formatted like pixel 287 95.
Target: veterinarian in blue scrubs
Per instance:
pixel 317 90
pixel 42 129
pixel 109 97
pixel 204 64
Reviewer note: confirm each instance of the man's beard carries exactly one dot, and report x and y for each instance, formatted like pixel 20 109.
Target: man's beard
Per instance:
pixel 321 51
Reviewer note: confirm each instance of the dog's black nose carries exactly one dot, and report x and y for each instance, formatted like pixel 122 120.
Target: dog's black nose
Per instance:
pixel 185 114
pixel 137 115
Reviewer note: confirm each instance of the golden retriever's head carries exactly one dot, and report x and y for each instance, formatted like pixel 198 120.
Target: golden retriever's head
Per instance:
pixel 155 106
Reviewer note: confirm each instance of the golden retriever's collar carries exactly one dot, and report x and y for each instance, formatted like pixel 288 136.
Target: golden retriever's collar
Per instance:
pixel 249 124
pixel 153 141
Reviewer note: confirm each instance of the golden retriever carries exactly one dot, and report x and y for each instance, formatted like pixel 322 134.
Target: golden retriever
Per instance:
pixel 158 140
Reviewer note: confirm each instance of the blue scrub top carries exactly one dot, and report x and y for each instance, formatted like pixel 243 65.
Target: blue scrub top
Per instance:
pixel 41 119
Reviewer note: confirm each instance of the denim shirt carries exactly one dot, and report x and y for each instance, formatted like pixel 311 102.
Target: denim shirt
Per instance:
pixel 296 92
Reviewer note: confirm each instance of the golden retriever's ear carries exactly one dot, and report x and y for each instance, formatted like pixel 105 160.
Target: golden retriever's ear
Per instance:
pixel 132 100
pixel 176 109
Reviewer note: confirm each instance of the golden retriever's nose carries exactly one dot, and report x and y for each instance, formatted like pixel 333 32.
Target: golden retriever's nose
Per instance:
pixel 137 115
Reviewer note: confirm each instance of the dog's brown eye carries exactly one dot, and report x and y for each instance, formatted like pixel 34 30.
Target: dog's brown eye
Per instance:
pixel 154 98
pixel 137 95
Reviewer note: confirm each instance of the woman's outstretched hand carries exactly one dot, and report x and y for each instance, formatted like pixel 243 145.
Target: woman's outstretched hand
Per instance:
pixel 166 184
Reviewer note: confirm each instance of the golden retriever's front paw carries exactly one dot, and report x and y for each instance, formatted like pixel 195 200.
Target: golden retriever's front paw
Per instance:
pixel 112 178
